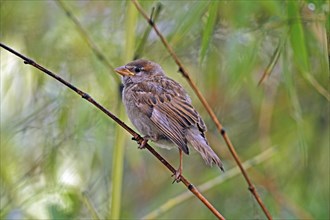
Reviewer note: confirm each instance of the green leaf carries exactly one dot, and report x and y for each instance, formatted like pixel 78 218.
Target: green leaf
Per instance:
pixel 297 37
pixel 208 30
pixel 187 21
pixel 298 44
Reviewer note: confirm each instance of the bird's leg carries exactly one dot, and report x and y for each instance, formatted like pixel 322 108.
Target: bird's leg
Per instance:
pixel 178 172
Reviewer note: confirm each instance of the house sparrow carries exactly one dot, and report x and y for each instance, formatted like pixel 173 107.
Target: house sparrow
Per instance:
pixel 161 110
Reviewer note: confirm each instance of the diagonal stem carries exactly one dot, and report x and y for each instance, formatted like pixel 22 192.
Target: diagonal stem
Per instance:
pixel 135 135
pixel 219 126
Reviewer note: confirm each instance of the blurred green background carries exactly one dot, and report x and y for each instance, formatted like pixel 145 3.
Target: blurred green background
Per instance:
pixel 62 158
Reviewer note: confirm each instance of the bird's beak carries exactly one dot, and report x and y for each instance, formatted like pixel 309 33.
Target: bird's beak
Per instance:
pixel 122 70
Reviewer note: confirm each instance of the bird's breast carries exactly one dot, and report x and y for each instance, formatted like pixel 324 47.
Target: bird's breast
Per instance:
pixel 138 117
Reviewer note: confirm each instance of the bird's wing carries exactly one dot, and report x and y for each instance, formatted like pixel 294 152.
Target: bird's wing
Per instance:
pixel 166 104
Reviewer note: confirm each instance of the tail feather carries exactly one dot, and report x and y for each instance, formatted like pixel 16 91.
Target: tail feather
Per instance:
pixel 195 139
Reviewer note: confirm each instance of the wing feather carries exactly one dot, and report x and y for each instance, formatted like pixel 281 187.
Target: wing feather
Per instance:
pixel 171 130
pixel 166 104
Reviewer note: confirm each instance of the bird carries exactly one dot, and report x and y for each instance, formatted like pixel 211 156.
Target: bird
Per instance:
pixel 162 111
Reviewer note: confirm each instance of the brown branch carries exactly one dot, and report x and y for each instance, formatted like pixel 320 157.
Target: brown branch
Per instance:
pixel 219 126
pixel 135 135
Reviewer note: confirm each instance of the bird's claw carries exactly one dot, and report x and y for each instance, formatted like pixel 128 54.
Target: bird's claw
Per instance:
pixel 143 144
pixel 177 176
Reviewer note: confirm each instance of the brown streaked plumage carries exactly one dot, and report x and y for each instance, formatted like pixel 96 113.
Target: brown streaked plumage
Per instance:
pixel 162 111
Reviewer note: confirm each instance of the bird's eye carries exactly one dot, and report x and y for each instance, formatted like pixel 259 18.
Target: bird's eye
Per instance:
pixel 137 69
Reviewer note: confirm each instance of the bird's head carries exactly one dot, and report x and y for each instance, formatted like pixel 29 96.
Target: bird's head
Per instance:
pixel 139 70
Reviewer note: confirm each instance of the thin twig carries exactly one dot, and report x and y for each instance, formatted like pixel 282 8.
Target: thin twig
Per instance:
pixel 135 135
pixel 219 126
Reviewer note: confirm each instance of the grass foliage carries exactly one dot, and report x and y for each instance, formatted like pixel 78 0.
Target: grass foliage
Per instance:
pixel 61 158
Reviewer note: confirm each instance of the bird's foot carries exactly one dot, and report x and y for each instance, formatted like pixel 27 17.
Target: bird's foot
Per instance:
pixel 177 176
pixel 143 143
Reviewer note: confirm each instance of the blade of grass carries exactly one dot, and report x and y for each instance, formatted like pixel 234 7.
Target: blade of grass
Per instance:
pixel 117 170
pixel 296 108
pixel 298 43
pixel 118 154
pixel 208 30
pixel 297 37
pixel 273 61
pixel 189 19
pixel 144 39
pixel 130 26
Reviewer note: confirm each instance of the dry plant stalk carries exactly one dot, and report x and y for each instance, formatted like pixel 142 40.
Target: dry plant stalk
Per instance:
pixel 219 126
pixel 135 135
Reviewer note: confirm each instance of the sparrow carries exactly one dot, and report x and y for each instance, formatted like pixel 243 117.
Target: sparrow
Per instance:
pixel 162 112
